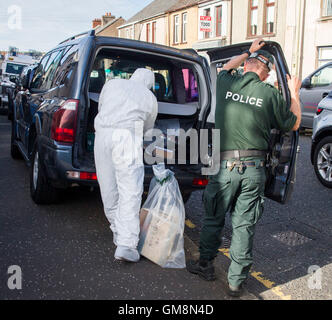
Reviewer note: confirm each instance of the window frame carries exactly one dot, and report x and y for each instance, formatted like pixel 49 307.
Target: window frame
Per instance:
pixel 207 13
pixel 323 2
pixel 148 29
pixel 184 27
pixel 324 61
pixel 217 8
pixel 176 29
pixel 154 29
pixel 250 10
pixel 266 7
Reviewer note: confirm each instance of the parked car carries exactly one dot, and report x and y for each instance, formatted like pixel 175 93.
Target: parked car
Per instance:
pixel 27 71
pixel 11 68
pixel 321 150
pixel 315 87
pixel 54 114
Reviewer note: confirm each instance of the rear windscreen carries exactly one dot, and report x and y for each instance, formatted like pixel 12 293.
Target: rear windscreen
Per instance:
pixel 174 82
pixel 14 68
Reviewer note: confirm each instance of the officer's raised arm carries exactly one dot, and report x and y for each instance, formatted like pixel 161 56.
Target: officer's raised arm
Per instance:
pixel 237 61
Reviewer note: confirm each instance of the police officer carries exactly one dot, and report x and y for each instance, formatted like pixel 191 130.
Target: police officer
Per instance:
pixel 246 111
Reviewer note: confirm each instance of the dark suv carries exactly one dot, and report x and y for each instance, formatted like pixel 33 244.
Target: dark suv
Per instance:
pixel 53 127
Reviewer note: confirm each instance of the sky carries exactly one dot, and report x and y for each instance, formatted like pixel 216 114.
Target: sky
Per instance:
pixel 42 24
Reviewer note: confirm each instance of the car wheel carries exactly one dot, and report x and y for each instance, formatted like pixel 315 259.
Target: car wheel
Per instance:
pixel 14 150
pixel 42 192
pixel 10 109
pixel 323 161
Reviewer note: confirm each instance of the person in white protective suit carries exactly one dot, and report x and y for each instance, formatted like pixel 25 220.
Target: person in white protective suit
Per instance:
pixel 127 109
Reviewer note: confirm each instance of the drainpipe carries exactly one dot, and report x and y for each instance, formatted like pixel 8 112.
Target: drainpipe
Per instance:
pixel 299 38
pixel 231 30
pixel 302 40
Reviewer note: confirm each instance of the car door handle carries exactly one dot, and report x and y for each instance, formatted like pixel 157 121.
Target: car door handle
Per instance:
pixel 325 94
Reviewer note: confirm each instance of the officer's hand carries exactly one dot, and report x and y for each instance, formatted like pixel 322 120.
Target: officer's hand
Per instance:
pixel 257 45
pixel 294 85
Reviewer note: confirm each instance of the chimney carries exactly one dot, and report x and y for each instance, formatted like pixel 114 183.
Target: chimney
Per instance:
pixel 107 18
pixel 96 23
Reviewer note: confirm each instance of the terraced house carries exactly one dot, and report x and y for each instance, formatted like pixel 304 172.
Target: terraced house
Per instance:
pixel 302 28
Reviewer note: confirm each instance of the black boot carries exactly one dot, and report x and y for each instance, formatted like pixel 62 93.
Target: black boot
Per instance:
pixel 235 291
pixel 203 268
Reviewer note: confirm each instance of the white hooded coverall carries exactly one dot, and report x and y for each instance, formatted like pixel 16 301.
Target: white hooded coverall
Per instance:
pixel 127 109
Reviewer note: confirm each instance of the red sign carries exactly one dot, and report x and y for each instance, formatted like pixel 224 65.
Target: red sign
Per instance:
pixel 205 23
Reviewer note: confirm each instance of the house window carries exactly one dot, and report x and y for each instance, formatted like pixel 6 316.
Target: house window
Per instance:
pixel 207 13
pixel 269 16
pixel 324 55
pixel 176 29
pixel 218 21
pixel 184 27
pixel 154 29
pixel 327 8
pixel 147 32
pixel 253 17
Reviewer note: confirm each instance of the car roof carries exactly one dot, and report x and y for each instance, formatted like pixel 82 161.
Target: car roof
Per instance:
pixel 187 54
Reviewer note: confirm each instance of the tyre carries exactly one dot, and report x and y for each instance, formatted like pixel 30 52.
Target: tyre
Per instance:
pixel 323 161
pixel 14 150
pixel 10 109
pixel 42 192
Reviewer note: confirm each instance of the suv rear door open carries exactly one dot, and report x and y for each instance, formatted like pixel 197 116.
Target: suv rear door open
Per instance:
pixel 283 147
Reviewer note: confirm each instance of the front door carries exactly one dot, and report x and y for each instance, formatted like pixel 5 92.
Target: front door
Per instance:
pixel 283 147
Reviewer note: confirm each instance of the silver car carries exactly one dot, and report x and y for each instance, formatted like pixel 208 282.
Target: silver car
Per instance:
pixel 321 150
pixel 314 88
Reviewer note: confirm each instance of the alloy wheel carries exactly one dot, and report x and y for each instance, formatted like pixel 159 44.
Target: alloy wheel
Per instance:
pixel 324 162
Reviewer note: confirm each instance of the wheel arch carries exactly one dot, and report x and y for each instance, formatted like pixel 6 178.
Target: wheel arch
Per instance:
pixel 323 133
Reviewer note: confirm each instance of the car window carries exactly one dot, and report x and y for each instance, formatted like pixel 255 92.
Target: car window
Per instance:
pixel 105 69
pixel 14 68
pixel 50 69
pixel 38 78
pixel 322 78
pixel 65 67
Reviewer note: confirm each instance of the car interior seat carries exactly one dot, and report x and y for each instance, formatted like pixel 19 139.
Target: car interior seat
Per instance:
pixel 160 86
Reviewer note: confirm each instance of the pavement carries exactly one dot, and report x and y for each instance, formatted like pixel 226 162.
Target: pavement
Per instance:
pixel 65 251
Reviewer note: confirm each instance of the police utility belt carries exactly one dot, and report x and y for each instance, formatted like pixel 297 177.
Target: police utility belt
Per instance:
pixel 232 159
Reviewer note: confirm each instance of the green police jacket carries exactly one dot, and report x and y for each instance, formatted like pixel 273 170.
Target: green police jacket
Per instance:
pixel 246 111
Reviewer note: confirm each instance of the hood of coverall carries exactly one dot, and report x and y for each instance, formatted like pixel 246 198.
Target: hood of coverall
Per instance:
pixel 144 76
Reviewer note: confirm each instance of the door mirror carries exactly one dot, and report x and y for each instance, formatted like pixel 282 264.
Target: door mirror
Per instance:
pixel 306 83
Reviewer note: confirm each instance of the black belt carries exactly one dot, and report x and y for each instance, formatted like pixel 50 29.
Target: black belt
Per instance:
pixel 241 165
pixel 237 154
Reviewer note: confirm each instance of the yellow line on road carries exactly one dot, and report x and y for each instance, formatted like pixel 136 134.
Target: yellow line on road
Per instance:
pixel 259 277
pixel 189 224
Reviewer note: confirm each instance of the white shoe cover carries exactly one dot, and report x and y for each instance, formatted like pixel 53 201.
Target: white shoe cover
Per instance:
pixel 126 254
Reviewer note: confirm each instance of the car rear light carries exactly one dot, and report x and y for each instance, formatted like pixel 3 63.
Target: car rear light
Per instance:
pixel 200 182
pixel 319 111
pixel 64 122
pixel 88 176
pixel 82 175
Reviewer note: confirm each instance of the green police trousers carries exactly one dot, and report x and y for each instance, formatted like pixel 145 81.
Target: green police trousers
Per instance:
pixel 242 194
